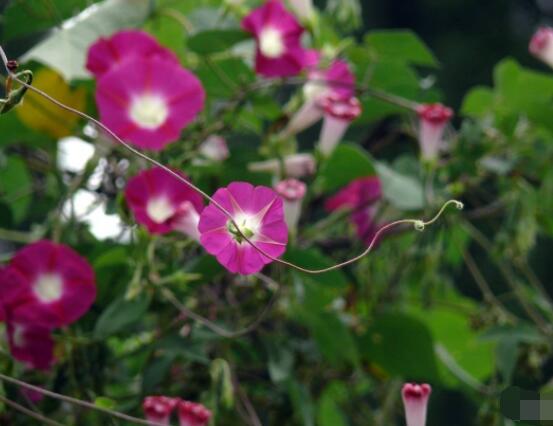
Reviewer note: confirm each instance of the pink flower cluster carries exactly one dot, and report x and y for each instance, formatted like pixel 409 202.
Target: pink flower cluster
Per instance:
pixel 143 93
pixel 45 286
pixel 158 409
pixel 361 197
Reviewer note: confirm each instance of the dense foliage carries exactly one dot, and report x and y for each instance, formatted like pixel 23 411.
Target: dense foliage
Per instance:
pixel 158 308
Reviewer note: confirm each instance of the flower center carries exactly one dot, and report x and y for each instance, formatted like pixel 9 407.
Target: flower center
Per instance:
pixel 271 43
pixel 248 225
pixel 159 209
pixel 149 111
pixel 48 288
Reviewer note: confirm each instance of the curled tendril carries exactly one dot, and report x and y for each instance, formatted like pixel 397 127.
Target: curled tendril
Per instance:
pixel 419 224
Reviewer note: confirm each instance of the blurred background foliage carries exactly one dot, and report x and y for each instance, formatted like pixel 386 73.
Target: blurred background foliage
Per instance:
pixel 465 306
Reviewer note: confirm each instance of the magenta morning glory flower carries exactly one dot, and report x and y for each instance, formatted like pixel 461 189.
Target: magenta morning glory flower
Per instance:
pixel 360 196
pixel 415 401
pixel 192 414
pixel 339 112
pixel 278 35
pixel 158 409
pixel 433 119
pixel 47 284
pixel 541 45
pixel 162 203
pixel 31 344
pixel 149 101
pixel 107 53
pixel 258 212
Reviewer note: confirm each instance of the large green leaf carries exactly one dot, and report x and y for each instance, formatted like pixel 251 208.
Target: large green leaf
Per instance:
pixel 451 328
pixel 404 192
pixel 65 48
pixel 347 162
pixel 401 46
pixel 213 41
pixel 401 345
pixel 329 412
pixel 15 187
pixel 120 315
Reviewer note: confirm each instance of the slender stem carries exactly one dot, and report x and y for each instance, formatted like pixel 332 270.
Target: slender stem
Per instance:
pixel 28 412
pixel 419 224
pixel 17 236
pixel 79 402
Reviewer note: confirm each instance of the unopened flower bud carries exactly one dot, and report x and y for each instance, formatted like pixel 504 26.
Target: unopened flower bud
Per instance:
pixel 433 119
pixel 292 192
pixel 541 45
pixel 339 113
pixel 415 401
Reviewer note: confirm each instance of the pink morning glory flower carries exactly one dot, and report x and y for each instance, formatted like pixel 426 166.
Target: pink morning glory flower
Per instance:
pixel 258 212
pixel 433 119
pixel 360 196
pixel 295 166
pixel 415 401
pixel 541 45
pixel 339 112
pixel 192 414
pixel 31 344
pixel 158 409
pixel 336 80
pixel 48 285
pixel 149 101
pixel 107 53
pixel 162 203
pixel 292 191
pixel 278 35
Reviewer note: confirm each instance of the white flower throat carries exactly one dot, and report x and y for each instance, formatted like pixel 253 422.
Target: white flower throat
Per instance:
pixel 271 43
pixel 48 287
pixel 149 111
pixel 159 209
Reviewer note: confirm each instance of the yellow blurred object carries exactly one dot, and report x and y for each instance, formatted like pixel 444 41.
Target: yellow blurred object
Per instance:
pixel 43 116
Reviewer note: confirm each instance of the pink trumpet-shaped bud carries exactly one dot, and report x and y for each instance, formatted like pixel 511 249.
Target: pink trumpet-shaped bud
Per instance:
pixel 158 409
pixel 278 35
pixel 433 119
pixel 541 45
pixel 292 192
pixel 339 113
pixel 296 166
pixel 186 220
pixel 415 401
pixel 192 414
pixel 308 114
pixel 214 148
pixel 258 213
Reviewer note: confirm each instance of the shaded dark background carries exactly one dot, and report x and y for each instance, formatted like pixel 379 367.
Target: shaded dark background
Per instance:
pixel 468 36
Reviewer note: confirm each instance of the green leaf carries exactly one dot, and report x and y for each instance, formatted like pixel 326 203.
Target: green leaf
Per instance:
pixel 402 345
pixel 65 49
pixel 404 192
pixel 155 372
pixel 478 102
pixel 347 162
pixel 222 78
pixel 329 412
pixel 452 329
pixel 213 41
pixel 222 382
pixel 16 187
pixel 334 339
pixel 104 402
pixel 302 402
pixel 120 315
pixel 401 46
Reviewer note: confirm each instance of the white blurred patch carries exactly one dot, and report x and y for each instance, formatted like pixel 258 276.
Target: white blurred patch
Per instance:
pixel 90 208
pixel 73 154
